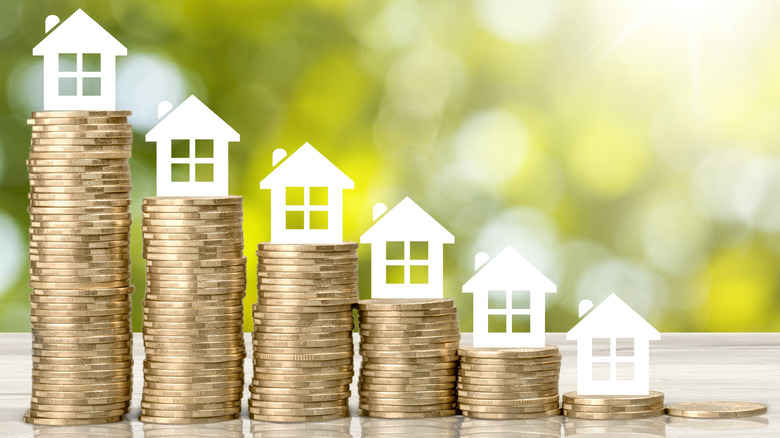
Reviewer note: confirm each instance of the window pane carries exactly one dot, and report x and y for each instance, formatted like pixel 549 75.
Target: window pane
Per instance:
pixel 294 195
pixel 180 148
pixel 90 62
pixel 294 220
pixel 90 87
pixel 624 347
pixel 418 274
pixel 180 172
pixel 67 62
pixel 521 323
pixel 497 324
pixel 496 299
pixel 318 220
pixel 394 251
pixel 67 86
pixel 521 299
pixel 318 196
pixel 625 370
pixel 204 172
pixel 601 347
pixel 204 148
pixel 601 371
pixel 418 250
pixel 394 274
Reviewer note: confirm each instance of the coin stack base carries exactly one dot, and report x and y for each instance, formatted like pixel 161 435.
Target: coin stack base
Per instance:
pixel 613 407
pixel 410 358
pixel 193 311
pixel 302 340
pixel 509 383
pixel 80 267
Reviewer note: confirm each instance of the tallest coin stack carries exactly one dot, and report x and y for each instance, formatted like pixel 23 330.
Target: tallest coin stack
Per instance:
pixel 80 267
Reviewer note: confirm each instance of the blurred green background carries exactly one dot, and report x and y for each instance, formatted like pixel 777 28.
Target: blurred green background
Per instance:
pixel 629 147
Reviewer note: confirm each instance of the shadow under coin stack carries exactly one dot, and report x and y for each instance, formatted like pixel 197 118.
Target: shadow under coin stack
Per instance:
pixel 613 407
pixel 302 340
pixel 509 383
pixel 193 311
pixel 410 357
pixel 80 267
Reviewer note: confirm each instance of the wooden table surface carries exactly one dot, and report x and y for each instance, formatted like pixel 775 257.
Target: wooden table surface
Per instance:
pixel 684 366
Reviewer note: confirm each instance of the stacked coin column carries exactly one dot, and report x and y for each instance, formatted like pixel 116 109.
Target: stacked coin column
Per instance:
pixel 193 311
pixel 80 267
pixel 509 383
pixel 302 340
pixel 410 357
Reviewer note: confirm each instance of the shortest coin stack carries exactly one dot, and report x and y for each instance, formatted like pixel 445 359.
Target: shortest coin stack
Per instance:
pixel 193 311
pixel 613 407
pixel 509 383
pixel 410 357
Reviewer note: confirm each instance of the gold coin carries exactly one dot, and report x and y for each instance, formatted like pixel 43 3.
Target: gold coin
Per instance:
pixel 374 408
pixel 304 247
pixel 511 368
pixel 613 415
pixel 716 409
pixel 407 415
pixel 189 407
pixel 30 418
pixel 164 420
pixel 299 399
pixel 190 201
pixel 263 255
pixel 406 388
pixel 80 113
pixel 296 418
pixel 201 413
pixel 508 353
pixel 613 409
pixel 612 400
pixel 304 365
pixel 511 387
pixel 511 416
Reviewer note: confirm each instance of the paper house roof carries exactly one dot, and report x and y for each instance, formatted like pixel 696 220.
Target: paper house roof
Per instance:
pixel 613 317
pixel 509 271
pixel 192 119
pixel 308 168
pixel 79 33
pixel 407 222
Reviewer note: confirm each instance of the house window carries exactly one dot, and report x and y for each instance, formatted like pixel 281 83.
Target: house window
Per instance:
pixel 192 160
pixel 509 311
pixel 79 74
pixel 306 208
pixel 406 262
pixel 612 359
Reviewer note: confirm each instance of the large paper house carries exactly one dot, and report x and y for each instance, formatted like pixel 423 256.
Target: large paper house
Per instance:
pixel 407 252
pixel 613 349
pixel 307 199
pixel 192 150
pixel 509 301
pixel 79 64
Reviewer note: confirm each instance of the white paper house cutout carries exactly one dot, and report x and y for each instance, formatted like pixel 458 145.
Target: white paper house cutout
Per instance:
pixel 307 199
pixel 621 363
pixel 509 295
pixel 192 150
pixel 407 252
pixel 79 64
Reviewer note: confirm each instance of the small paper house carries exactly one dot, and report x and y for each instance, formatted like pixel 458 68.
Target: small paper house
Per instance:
pixel 407 252
pixel 613 349
pixel 307 200
pixel 509 301
pixel 192 150
pixel 79 64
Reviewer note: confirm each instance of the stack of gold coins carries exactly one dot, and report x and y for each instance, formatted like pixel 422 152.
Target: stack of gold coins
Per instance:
pixel 193 311
pixel 410 357
pixel 80 267
pixel 509 383
pixel 613 407
pixel 302 340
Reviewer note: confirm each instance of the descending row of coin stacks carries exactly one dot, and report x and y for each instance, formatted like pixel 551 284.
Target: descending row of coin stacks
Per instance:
pixel 511 383
pixel 410 357
pixel 80 267
pixel 193 311
pixel 303 332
